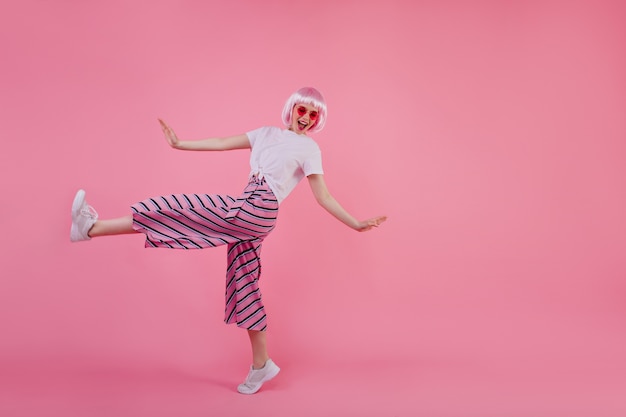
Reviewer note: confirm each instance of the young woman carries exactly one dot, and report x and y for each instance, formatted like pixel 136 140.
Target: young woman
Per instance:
pixel 279 159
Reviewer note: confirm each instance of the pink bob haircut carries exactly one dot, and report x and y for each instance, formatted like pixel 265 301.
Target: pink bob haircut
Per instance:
pixel 311 97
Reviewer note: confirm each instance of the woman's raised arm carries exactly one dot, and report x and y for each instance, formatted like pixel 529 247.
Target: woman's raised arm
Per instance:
pixel 212 144
pixel 326 200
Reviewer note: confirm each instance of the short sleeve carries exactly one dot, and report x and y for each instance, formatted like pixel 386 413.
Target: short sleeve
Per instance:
pixel 255 135
pixel 313 164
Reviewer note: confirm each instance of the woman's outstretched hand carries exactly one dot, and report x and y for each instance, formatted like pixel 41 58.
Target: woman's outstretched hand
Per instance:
pixel 368 224
pixel 170 136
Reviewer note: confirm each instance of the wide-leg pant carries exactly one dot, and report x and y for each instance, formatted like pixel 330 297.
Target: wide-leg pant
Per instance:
pixel 197 221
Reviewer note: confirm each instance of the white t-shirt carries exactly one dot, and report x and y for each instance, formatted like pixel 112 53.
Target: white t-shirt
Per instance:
pixel 283 158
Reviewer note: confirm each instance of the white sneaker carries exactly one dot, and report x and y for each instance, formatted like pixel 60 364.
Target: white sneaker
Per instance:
pixel 256 377
pixel 83 217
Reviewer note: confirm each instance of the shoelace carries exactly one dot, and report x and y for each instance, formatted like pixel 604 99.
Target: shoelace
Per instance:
pixel 249 382
pixel 89 211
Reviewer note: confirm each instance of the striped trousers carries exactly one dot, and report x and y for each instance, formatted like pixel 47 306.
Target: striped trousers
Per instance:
pixel 198 221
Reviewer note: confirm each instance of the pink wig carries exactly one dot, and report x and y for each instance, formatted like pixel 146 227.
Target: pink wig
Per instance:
pixel 311 97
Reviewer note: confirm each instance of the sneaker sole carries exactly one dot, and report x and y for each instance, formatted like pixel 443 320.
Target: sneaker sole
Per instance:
pixel 76 205
pixel 78 202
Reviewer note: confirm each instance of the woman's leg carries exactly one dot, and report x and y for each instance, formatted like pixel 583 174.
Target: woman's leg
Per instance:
pixel 85 222
pixel 258 342
pixel 118 226
pixel 263 368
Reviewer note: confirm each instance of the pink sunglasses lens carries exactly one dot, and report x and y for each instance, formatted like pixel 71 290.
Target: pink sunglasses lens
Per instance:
pixel 302 111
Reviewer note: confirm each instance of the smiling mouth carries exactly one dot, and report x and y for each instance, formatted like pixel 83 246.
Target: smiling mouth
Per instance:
pixel 302 125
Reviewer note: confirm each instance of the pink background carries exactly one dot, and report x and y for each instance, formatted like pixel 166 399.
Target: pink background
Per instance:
pixel 491 134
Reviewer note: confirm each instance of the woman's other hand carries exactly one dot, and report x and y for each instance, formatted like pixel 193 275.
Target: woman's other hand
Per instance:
pixel 170 136
pixel 368 224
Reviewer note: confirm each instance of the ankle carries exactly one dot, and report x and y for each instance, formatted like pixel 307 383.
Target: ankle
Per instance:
pixel 90 232
pixel 259 364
